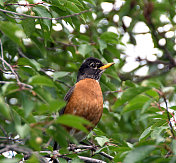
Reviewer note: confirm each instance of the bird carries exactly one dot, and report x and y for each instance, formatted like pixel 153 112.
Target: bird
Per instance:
pixel 85 98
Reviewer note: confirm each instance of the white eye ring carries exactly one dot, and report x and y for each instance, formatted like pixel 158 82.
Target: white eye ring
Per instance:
pixel 93 65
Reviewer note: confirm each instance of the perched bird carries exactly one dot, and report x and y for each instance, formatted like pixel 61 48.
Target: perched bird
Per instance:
pixel 85 98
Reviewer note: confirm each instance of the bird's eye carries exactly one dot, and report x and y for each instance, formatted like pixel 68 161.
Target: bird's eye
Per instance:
pixel 93 65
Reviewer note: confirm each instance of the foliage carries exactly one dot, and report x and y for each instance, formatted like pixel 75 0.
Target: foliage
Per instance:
pixel 39 64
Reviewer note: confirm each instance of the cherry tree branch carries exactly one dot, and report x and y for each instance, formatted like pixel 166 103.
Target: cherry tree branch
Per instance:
pixel 40 17
pixel 20 149
pixel 4 62
pixel 27 4
pixel 167 110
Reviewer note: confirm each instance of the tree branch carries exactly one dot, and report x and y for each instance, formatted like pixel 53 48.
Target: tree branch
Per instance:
pixel 56 154
pixel 16 75
pixel 168 116
pixel 27 4
pixel 20 149
pixel 4 62
pixel 167 110
pixel 40 17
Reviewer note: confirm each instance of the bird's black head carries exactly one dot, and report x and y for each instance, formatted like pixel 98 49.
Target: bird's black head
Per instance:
pixel 92 68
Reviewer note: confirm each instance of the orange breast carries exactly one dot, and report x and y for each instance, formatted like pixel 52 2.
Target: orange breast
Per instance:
pixel 86 101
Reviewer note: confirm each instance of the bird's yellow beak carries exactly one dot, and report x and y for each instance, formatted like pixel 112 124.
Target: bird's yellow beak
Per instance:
pixel 106 66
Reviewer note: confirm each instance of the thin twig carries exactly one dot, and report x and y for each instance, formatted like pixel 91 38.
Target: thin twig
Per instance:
pixel 109 92
pixel 56 154
pixel 167 110
pixel 27 4
pixel 21 53
pixel 6 82
pixel 2 55
pixel 15 74
pixel 168 116
pixel 40 17
pixel 106 155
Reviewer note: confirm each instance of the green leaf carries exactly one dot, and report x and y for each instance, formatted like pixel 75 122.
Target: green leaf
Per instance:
pixel 113 50
pixel 156 133
pixel 13 32
pixel 102 140
pixel 28 26
pixel 77 3
pixel 41 80
pixel 110 37
pixel 138 154
pixel 73 8
pixel 73 121
pixel 145 133
pixel 91 2
pixel 57 3
pixel 33 159
pixel 59 74
pixel 51 106
pixel 102 45
pixel 136 103
pixel 129 94
pixel 27 104
pixel 29 62
pixel 43 12
pixel 23 131
pixel 4 110
pixel 85 49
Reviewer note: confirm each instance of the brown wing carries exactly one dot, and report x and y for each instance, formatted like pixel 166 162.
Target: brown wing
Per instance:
pixel 66 98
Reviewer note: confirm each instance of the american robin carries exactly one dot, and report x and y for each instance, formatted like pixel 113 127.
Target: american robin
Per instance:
pixel 85 98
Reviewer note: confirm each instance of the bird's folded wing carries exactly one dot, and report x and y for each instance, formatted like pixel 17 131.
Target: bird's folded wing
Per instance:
pixel 69 93
pixel 66 98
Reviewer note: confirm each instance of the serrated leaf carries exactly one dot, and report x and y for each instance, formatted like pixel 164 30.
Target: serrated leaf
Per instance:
pixel 43 12
pixel 138 154
pixel 73 8
pixel 41 80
